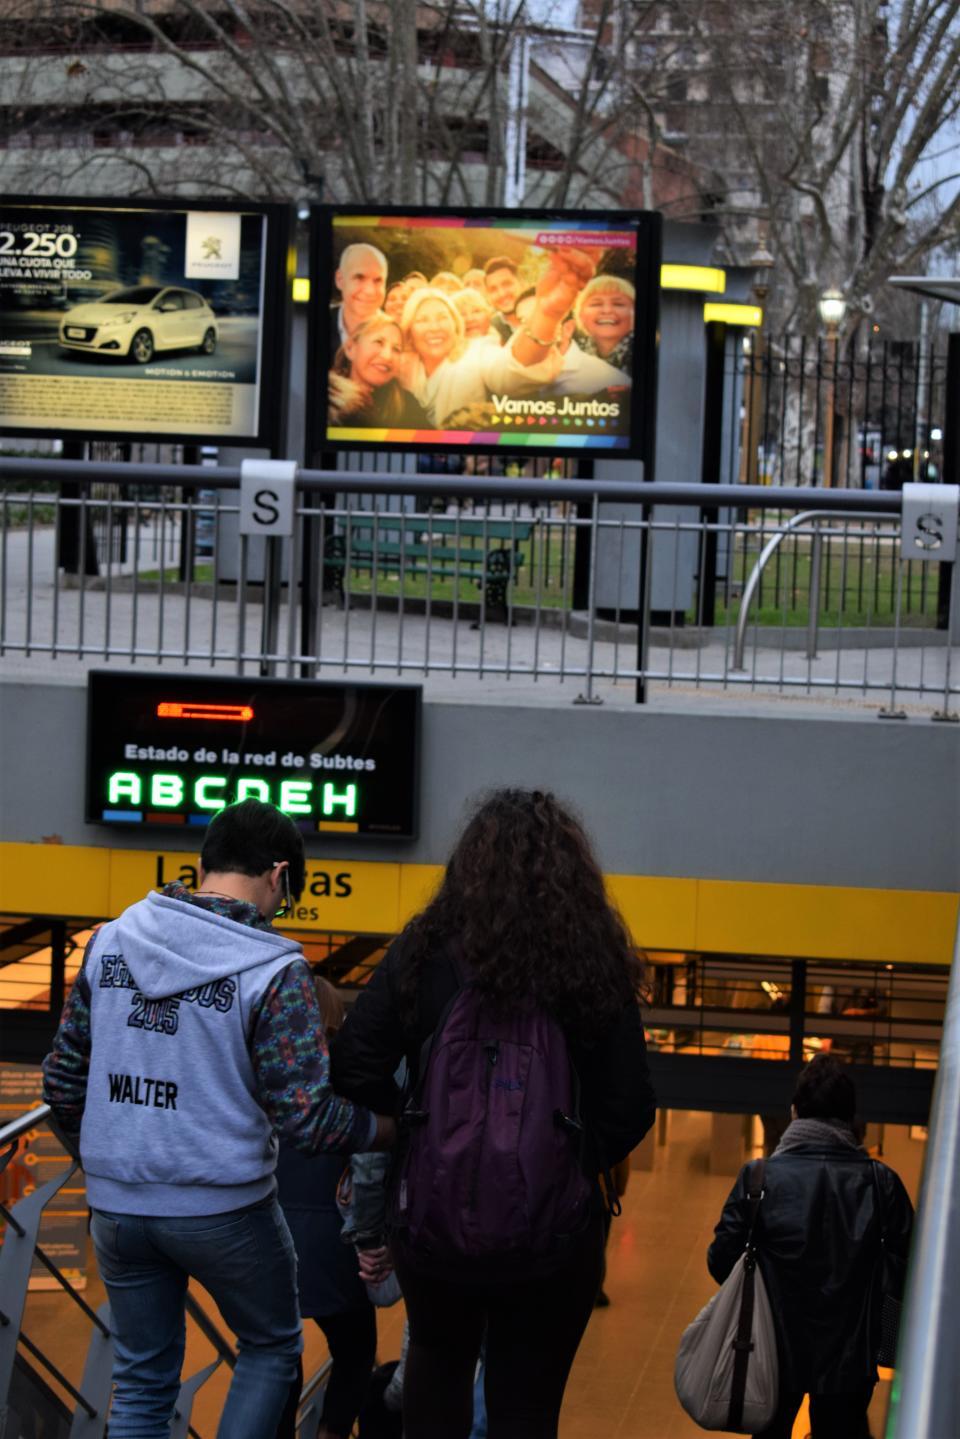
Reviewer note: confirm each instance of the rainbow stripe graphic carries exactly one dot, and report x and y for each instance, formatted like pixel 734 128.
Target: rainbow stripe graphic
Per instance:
pixel 514 437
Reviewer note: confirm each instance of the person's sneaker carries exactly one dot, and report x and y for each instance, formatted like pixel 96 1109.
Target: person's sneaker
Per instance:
pixel 602 1300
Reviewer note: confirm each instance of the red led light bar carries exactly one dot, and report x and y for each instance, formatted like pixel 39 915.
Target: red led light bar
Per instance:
pixel 173 709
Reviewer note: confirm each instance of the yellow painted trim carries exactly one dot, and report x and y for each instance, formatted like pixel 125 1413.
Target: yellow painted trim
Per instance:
pixel 693 277
pixel 826 921
pixel 749 315
pixel 832 922
pixel 660 912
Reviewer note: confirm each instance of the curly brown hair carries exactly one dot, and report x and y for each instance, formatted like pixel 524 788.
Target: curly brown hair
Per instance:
pixel 523 908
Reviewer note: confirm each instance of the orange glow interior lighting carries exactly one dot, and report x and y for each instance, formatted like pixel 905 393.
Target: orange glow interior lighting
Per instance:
pixel 174 709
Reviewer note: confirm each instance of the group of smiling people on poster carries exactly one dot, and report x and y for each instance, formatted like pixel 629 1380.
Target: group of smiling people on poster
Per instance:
pixel 438 352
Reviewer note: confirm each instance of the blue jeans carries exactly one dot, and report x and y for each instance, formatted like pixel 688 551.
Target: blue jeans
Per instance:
pixel 246 1262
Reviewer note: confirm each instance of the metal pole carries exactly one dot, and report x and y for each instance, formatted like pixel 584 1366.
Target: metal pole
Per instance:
pixel 813 609
pixel 953 632
pixel 926 1397
pixel 756 400
pixel 668 492
pixel 923 391
pixel 515 131
pixel 832 342
pixel 590 698
pixel 710 467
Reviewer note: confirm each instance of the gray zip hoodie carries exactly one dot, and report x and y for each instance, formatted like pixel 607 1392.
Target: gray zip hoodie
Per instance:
pixel 172 1124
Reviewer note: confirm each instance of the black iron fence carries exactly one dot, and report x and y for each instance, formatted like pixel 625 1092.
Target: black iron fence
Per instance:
pixel 854 414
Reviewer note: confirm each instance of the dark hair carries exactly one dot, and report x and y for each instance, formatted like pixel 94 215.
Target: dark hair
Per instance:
pixel 522 906
pixel 500 262
pixel 825 1090
pixel 249 837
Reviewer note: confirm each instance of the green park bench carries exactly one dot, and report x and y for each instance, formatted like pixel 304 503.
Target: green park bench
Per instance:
pixel 486 550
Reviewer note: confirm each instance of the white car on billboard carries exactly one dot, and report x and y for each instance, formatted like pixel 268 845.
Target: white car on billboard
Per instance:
pixel 140 321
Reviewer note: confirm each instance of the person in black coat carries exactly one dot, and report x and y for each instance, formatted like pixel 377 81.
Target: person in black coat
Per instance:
pixel 523 916
pixel 826 1205
pixel 331 1290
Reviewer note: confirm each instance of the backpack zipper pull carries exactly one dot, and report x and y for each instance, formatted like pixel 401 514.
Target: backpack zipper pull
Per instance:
pixel 493 1050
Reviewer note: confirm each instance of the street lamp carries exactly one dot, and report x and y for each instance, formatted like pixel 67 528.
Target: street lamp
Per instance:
pixel 832 307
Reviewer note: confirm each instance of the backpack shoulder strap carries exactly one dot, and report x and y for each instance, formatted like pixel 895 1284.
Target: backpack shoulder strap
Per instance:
pixel 412 1112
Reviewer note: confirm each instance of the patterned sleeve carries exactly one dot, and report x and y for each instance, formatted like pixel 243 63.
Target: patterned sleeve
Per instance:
pixel 66 1067
pixel 291 1064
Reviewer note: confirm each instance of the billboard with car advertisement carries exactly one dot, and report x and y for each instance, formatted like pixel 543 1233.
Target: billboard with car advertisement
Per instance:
pixel 157 320
pixel 497 331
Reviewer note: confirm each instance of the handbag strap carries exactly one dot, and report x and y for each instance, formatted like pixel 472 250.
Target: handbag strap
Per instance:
pixel 743 1343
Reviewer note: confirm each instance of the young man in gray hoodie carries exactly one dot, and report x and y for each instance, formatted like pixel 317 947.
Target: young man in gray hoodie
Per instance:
pixel 191 1039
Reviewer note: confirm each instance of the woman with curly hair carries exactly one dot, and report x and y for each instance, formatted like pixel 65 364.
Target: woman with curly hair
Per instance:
pixel 522 917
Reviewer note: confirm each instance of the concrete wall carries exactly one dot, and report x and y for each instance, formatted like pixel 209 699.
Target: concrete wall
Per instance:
pixel 785 798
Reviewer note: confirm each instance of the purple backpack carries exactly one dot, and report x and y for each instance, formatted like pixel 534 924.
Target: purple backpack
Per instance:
pixel 492 1163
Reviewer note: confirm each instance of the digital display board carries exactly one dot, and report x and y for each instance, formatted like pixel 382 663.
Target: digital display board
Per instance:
pixel 158 320
pixel 496 331
pixel 172 751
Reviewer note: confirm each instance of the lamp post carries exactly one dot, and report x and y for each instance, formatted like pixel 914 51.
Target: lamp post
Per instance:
pixel 832 307
pixel 762 262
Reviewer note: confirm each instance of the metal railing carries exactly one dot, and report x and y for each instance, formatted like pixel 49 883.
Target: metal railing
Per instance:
pixel 569 589
pixel 926 1400
pixel 91 1399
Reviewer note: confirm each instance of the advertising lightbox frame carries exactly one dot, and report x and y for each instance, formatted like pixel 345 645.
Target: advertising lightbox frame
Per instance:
pixel 275 319
pixel 649 230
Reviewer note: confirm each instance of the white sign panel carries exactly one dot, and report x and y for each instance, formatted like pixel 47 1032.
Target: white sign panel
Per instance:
pixel 267 497
pixel 930 520
pixel 213 246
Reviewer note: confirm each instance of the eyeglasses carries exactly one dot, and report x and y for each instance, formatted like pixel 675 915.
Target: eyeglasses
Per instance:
pixel 287 905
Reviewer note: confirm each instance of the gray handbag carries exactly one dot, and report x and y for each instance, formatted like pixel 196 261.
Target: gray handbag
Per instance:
pixel 726 1373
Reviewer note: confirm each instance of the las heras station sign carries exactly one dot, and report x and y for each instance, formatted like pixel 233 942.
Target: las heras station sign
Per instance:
pixel 170 751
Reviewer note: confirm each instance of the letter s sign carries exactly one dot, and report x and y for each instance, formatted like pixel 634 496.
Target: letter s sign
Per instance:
pixel 267 497
pixel 930 519
pixel 266 511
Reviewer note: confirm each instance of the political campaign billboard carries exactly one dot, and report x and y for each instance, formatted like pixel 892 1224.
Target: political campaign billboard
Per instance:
pixel 493 331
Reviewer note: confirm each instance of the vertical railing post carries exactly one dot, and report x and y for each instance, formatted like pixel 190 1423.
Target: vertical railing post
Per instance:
pixel 590 698
pixel 953 636
pixel 813 609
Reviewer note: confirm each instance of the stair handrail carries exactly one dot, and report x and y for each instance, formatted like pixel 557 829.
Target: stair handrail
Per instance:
pixel 9 1134
pixel 770 548
pixel 926 1400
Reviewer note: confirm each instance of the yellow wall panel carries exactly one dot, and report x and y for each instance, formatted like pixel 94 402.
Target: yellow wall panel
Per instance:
pixel 418 884
pixel 661 913
pixel 826 922
pixel 344 896
pixel 54 879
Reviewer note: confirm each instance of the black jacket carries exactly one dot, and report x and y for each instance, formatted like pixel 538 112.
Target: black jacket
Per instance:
pixel 818 1243
pixel 617 1097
